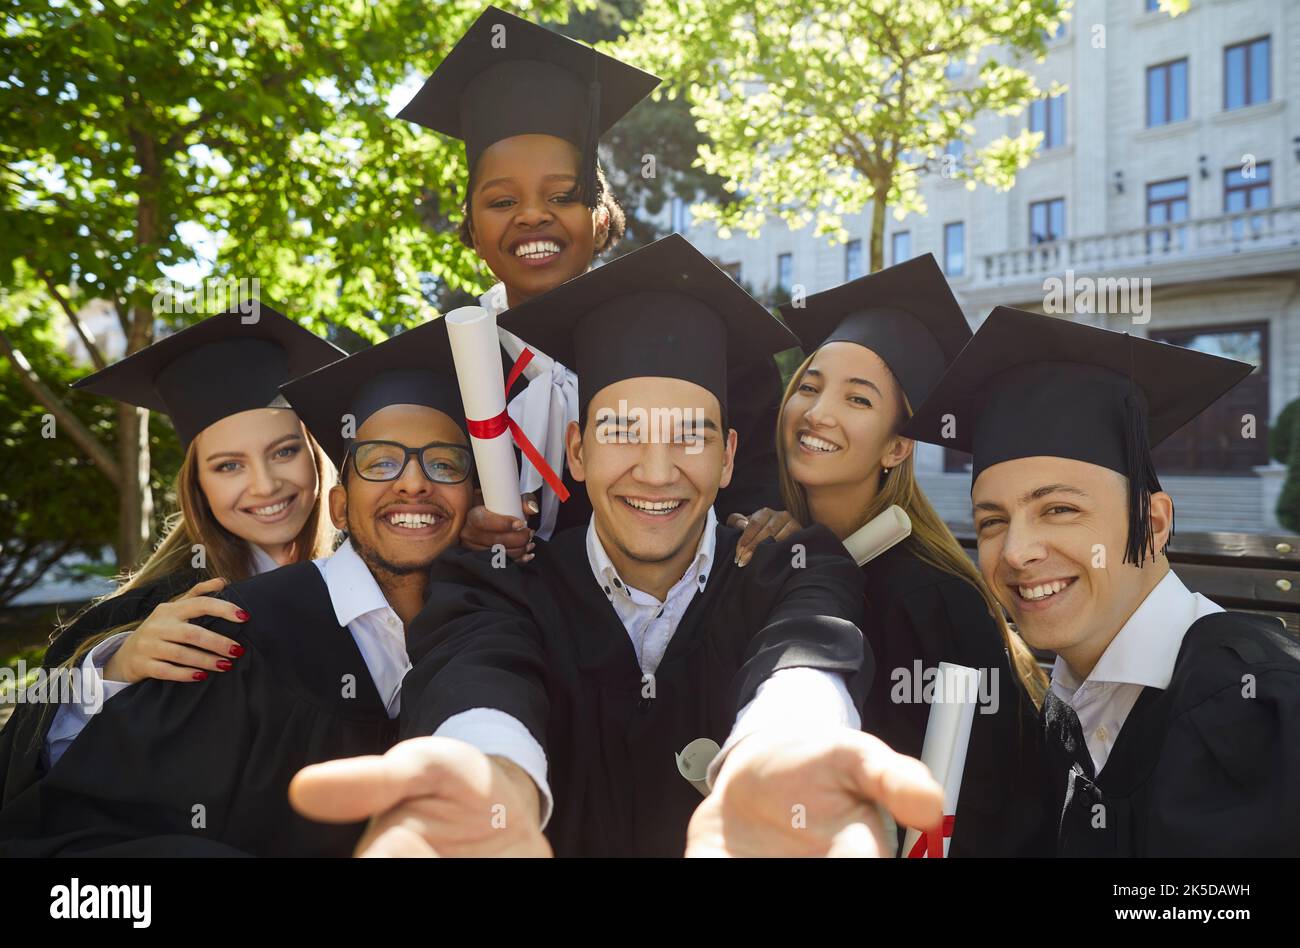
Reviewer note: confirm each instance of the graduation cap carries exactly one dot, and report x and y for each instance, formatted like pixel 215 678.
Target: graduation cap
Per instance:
pixel 1029 385
pixel 412 368
pixel 664 310
pixel 216 368
pixel 906 314
pixel 508 77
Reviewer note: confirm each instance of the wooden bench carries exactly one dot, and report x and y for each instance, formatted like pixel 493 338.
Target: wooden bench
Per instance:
pixel 1243 571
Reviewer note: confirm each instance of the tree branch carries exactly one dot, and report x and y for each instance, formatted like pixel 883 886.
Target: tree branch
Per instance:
pixel 95 355
pixel 77 430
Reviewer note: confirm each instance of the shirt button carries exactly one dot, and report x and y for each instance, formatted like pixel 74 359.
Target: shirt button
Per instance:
pixel 607 592
pixel 617 583
pixel 1100 733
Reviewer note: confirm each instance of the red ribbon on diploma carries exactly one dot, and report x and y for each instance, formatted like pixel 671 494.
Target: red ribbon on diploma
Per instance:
pixel 489 428
pixel 930 842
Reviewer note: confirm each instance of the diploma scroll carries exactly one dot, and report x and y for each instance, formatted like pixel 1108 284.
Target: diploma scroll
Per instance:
pixel 877 535
pixel 476 350
pixel 947 737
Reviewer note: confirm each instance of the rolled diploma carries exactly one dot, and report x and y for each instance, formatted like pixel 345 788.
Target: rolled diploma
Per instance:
pixel 476 350
pixel 947 737
pixel 878 534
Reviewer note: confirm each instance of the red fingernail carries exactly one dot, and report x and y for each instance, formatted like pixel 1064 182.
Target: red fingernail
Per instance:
pixel 236 650
pixel 224 665
pixel 241 615
pixel 199 676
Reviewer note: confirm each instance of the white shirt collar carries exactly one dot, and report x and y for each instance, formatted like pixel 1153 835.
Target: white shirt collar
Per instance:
pixel 603 568
pixel 1146 648
pixel 352 587
pixel 494 300
pixel 263 562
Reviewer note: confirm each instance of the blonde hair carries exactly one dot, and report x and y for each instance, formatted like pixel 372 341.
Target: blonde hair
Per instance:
pixel 931 541
pixel 225 554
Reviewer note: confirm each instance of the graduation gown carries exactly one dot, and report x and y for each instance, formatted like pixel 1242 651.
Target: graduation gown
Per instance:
pixel 134 780
pixel 542 642
pixel 1204 767
pixel 919 613
pixel 753 404
pixel 23 737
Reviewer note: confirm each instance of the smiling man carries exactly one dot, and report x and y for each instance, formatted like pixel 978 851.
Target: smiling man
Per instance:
pixel 1174 726
pixel 204 768
pixel 631 638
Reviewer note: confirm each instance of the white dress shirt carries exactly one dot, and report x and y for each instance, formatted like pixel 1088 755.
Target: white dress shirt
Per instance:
pixel 791 697
pixel 542 409
pixel 1141 656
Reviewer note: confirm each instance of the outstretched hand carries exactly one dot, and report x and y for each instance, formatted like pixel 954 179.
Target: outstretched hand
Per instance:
pixel 793 793
pixel 428 796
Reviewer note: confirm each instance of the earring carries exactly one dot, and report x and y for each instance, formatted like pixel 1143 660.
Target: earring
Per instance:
pixel 888 469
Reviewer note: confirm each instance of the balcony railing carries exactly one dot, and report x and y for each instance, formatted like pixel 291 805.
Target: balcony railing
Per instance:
pixel 1264 230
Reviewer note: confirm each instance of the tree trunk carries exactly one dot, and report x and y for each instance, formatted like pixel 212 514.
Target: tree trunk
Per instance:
pixel 134 498
pixel 878 227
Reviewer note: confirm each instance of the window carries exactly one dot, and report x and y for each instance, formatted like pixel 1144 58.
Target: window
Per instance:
pixel 954 249
pixel 679 222
pixel 1046 220
pixel 901 246
pixel 853 260
pixel 1246 79
pixel 1211 442
pixel 1047 115
pixel 1167 204
pixel 1245 189
pixel 1167 93
pixel 785 272
pixel 731 269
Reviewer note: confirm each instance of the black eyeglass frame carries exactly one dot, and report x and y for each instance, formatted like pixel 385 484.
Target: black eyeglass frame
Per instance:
pixel 408 453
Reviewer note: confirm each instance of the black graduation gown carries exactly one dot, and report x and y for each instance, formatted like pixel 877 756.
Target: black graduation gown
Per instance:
pixel 917 612
pixel 23 736
pixel 542 642
pixel 754 401
pixel 129 784
pixel 1199 768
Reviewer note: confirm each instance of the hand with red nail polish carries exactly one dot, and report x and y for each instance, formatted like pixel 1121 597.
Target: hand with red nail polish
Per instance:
pixel 169 646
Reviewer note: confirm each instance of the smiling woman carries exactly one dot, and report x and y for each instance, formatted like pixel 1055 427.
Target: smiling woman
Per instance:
pixel 249 492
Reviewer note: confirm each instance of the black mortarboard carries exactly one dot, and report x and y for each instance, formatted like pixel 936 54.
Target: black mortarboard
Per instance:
pixel 664 310
pixel 228 363
pixel 906 314
pixel 412 368
pixel 1029 385
pixel 508 77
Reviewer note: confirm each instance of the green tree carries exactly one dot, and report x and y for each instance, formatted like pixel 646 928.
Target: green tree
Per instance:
pixel 815 110
pixel 1284 446
pixel 128 126
pixel 53 501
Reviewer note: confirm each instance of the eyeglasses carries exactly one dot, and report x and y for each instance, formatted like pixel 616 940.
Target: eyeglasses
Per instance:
pixel 386 460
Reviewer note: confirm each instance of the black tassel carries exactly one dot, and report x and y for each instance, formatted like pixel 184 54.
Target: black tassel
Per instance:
pixel 1142 482
pixel 590 146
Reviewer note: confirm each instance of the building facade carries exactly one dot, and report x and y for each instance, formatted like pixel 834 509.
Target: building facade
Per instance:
pixel 1164 201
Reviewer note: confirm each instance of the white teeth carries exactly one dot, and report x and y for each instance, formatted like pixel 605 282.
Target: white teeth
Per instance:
pixel 1043 591
pixel 271 510
pixel 817 444
pixel 537 249
pixel 653 506
pixel 412 521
